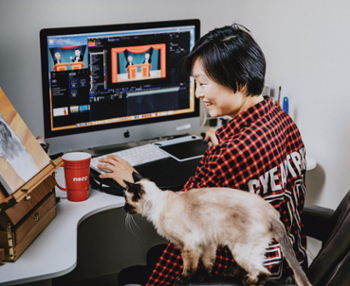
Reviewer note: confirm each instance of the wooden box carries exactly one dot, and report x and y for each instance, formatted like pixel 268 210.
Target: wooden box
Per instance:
pixel 25 213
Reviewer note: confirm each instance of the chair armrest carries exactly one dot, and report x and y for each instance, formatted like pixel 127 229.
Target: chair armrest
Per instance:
pixel 317 221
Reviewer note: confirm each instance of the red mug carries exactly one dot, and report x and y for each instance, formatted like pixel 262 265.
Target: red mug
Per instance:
pixel 77 175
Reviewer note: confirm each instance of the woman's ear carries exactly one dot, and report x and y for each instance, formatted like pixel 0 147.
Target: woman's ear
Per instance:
pixel 242 88
pixel 136 176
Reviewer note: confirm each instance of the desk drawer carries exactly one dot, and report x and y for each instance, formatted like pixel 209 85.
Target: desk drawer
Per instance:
pixel 18 211
pixel 15 241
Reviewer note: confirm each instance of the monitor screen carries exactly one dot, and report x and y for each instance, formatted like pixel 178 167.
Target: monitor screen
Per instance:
pixel 106 85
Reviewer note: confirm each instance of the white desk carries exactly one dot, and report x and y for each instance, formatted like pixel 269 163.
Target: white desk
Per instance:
pixel 311 163
pixel 54 252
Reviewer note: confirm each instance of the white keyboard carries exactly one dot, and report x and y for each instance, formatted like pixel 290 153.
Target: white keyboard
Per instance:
pixel 135 156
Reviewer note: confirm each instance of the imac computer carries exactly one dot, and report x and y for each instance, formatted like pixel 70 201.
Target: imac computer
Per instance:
pixel 105 85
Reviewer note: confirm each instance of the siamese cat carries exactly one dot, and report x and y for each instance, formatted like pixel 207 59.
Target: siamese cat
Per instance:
pixel 200 220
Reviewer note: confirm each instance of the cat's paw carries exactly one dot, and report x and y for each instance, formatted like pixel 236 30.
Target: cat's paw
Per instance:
pixel 233 271
pixel 182 279
pixel 248 281
pixel 260 280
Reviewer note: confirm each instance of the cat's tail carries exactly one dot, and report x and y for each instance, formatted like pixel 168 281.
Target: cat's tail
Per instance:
pixel 288 252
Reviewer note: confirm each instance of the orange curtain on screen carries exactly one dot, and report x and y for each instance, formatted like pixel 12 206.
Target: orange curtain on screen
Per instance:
pixel 137 50
pixel 68 48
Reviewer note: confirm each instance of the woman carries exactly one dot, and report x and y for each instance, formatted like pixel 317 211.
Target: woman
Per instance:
pixel 260 150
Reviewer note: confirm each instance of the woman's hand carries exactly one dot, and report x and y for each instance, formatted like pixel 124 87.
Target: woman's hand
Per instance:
pixel 119 169
pixel 210 135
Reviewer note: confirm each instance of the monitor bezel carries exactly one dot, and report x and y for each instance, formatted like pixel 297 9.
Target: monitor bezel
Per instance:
pixel 47 32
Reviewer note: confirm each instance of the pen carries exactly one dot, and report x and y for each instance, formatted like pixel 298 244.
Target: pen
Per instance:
pixel 279 96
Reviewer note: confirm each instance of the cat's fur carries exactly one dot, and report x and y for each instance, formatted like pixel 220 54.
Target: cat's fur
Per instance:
pixel 200 220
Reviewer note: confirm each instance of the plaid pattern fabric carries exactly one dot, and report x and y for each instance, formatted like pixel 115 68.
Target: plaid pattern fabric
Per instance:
pixel 260 151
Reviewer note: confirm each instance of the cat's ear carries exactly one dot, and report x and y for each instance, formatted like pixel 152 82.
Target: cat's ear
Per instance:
pixel 135 189
pixel 136 176
pixel 130 185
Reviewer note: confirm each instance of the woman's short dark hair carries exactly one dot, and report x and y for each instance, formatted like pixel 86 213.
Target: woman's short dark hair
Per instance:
pixel 230 57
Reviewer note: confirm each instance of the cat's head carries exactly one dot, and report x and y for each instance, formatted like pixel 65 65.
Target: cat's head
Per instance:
pixel 134 194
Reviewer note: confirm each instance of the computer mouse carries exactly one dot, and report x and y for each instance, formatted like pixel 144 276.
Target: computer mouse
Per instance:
pixel 108 186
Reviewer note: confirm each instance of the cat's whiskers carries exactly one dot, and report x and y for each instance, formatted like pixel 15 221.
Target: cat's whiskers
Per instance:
pixel 129 222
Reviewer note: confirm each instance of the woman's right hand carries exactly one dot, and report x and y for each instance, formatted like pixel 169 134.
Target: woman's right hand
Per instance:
pixel 119 169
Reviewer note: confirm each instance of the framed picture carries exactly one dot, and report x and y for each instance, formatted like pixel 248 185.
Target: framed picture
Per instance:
pixel 21 155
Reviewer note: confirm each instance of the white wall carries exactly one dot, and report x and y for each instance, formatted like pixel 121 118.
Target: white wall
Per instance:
pixel 306 44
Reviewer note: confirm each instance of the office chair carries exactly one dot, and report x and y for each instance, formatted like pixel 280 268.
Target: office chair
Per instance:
pixel 331 267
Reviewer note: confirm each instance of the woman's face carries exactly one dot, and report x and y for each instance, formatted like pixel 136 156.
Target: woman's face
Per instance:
pixel 219 100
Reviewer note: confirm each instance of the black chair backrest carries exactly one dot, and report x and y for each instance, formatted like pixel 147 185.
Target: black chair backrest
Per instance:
pixel 331 267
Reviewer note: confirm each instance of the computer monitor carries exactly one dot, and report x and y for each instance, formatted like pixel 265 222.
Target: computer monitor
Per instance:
pixel 105 85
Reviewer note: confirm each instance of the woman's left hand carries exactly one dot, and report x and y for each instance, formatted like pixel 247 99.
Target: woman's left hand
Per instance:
pixel 119 169
pixel 211 136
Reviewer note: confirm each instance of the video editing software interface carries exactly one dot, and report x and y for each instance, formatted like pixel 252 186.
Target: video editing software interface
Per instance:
pixel 100 78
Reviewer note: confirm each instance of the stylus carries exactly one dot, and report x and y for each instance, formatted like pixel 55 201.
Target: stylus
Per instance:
pixel 203 136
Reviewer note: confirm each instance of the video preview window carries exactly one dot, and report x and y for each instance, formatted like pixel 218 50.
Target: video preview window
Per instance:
pixel 138 63
pixel 66 54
